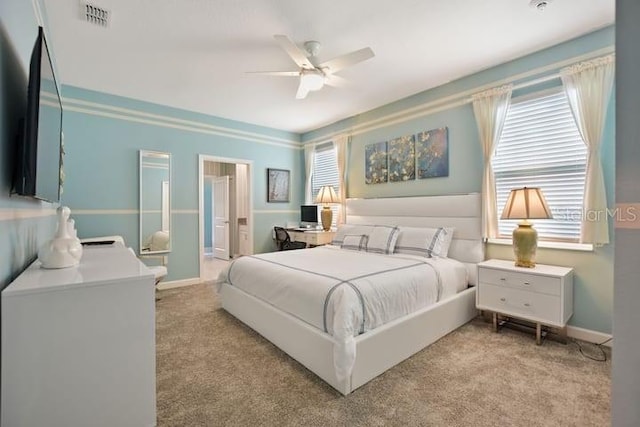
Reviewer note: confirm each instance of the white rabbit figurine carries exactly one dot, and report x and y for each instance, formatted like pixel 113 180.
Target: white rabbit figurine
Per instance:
pixel 63 250
pixel 73 234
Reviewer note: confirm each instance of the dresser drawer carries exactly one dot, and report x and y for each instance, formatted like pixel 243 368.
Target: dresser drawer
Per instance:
pixel 314 238
pixel 302 237
pixel 536 307
pixel 516 280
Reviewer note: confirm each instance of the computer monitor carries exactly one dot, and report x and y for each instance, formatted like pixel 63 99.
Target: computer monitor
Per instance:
pixel 308 215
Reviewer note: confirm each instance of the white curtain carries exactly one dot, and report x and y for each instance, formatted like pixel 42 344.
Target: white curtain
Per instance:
pixel 309 151
pixel 341 144
pixel 588 87
pixel 490 109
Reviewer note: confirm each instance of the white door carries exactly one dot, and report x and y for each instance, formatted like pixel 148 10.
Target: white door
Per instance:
pixel 221 217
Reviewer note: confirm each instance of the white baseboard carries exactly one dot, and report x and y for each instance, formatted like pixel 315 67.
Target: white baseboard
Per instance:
pixel 178 283
pixel 589 335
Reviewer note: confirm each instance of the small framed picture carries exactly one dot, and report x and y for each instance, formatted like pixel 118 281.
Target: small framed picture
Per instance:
pixel 277 185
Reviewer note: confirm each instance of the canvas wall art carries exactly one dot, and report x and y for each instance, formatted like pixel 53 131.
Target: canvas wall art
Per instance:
pixel 432 153
pixel 402 159
pixel 375 163
pixel 277 185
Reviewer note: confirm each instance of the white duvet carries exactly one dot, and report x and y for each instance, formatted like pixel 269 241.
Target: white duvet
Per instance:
pixel 343 292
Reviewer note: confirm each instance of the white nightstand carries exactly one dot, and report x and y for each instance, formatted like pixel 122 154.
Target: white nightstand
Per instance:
pixel 543 294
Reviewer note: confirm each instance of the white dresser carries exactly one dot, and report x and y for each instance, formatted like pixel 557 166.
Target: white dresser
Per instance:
pixel 543 294
pixel 78 344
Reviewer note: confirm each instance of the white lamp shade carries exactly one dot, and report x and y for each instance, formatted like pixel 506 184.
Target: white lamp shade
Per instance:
pixel 526 203
pixel 312 79
pixel 327 195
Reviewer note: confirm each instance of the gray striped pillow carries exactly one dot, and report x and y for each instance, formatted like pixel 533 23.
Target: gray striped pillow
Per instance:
pixel 382 239
pixel 355 242
pixel 426 242
pixel 344 229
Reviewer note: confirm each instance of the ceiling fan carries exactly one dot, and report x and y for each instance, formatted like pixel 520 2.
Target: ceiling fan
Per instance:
pixel 313 76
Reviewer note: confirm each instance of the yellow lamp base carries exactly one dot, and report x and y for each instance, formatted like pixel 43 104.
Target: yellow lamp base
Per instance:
pixel 525 243
pixel 326 216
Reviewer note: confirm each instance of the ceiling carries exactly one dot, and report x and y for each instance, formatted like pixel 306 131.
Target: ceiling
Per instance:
pixel 194 54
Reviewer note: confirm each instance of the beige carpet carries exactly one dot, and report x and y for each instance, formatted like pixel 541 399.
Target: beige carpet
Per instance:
pixel 214 371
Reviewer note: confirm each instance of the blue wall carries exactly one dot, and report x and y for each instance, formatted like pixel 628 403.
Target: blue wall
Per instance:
pixel 25 224
pixel 102 168
pixel 593 270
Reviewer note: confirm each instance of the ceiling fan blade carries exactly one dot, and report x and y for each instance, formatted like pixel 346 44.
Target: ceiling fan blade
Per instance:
pixel 336 81
pixel 297 54
pixel 276 73
pixel 302 91
pixel 344 61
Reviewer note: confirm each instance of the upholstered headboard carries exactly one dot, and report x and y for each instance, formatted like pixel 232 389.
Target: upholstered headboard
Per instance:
pixel 463 212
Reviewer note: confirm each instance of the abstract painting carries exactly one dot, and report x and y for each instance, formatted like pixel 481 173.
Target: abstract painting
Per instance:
pixel 432 153
pixel 402 159
pixel 277 185
pixel 375 163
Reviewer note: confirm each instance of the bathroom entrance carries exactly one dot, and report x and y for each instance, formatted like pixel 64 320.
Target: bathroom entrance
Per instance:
pixel 225 209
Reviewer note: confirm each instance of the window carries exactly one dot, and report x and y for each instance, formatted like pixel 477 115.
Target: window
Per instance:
pixel 325 172
pixel 541 147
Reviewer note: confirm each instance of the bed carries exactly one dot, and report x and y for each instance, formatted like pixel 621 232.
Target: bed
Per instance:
pixel 322 306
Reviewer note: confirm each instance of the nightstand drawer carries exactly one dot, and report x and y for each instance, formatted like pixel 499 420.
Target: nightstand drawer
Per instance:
pixel 536 307
pixel 516 280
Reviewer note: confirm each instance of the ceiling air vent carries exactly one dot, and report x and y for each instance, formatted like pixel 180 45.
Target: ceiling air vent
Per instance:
pixel 540 4
pixel 95 15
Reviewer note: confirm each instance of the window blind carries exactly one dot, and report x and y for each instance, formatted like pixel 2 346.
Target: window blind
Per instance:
pixel 325 172
pixel 541 147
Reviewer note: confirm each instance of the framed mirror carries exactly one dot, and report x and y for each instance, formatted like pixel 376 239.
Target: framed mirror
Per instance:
pixel 155 202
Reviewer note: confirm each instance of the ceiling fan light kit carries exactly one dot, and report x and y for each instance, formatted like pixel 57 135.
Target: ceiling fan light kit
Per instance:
pixel 314 76
pixel 312 79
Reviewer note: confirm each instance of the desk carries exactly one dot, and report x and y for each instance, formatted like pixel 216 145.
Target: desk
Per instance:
pixel 312 237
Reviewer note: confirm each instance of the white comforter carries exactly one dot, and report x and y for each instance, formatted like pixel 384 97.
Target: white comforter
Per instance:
pixel 345 293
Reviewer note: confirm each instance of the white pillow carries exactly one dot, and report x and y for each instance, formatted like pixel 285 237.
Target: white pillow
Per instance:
pixel 355 242
pixel 426 242
pixel 344 229
pixel 382 239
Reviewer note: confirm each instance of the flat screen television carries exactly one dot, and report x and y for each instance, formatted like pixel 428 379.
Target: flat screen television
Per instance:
pixel 38 153
pixel 308 215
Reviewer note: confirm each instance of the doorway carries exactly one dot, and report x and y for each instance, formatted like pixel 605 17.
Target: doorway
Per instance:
pixel 225 211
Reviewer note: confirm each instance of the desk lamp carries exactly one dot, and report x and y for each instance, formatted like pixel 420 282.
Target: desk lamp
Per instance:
pixel 327 196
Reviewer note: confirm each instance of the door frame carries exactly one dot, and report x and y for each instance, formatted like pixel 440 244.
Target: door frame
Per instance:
pixel 208 158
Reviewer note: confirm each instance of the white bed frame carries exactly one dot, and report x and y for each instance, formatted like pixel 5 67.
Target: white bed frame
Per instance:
pixel 390 344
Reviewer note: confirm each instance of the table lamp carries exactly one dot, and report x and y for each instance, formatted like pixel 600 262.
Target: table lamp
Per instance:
pixel 327 196
pixel 526 203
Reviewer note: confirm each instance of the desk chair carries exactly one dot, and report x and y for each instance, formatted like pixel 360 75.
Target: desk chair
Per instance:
pixel 283 240
pixel 159 271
